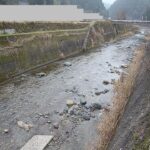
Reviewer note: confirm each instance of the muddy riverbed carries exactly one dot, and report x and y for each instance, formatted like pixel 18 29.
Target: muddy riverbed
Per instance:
pixel 41 101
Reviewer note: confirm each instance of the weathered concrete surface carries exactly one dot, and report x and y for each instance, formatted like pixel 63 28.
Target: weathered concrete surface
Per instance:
pixel 40 101
pixel 23 51
pixel 37 142
pixel 133 132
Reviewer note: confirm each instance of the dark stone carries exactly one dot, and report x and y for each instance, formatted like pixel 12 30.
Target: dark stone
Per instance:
pixel 83 102
pixel 95 106
pixel 98 93
pixel 124 66
pixel 56 125
pixel 65 110
pixel 105 91
pixel 67 64
pixel 56 112
pixel 71 112
pixel 105 82
pixel 6 130
pixel 61 113
pixel 86 80
pixel 102 92
pixel 86 117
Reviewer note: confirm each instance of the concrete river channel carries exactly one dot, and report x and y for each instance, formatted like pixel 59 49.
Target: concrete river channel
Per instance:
pixel 40 102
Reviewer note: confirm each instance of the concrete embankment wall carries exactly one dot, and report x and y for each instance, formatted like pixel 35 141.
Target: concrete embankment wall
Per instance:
pixel 25 49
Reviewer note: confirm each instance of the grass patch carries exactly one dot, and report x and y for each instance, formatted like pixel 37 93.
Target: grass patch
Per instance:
pixel 142 144
pixel 21 27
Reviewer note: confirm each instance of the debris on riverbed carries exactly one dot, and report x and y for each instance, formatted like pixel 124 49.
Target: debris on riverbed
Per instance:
pixel 86 117
pixel 56 125
pixel 70 103
pixel 101 92
pixel 67 64
pixel 49 122
pixel 86 80
pixel 83 102
pixel 113 81
pixel 95 106
pixel 41 74
pixel 82 110
pixel 24 126
pixel 124 66
pixel 105 82
pixel 108 64
pixel 97 93
pixel 6 130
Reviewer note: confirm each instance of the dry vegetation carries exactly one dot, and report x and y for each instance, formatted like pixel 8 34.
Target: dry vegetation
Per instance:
pixel 122 91
pixel 25 27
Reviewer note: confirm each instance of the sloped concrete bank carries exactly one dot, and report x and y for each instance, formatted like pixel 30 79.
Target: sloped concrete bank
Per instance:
pixel 24 49
pixel 133 132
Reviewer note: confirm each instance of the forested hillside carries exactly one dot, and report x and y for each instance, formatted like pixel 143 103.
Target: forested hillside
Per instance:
pixel 4 2
pixel 88 5
pixel 130 9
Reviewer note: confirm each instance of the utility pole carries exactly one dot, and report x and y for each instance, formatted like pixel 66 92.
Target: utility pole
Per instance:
pixel 142 18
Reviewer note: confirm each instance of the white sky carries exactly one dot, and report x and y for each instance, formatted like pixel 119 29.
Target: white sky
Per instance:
pixel 108 1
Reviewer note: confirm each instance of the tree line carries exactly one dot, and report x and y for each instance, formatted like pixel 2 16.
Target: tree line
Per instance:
pixel 130 9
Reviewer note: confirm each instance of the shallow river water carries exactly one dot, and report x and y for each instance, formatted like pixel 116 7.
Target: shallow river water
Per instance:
pixel 40 101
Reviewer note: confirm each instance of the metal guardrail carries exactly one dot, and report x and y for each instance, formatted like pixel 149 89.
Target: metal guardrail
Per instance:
pixel 131 21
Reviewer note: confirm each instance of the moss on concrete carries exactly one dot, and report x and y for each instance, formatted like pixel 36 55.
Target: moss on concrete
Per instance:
pixel 22 27
pixel 21 51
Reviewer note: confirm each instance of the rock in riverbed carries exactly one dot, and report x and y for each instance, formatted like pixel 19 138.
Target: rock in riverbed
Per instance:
pixel 83 102
pixel 56 125
pixel 101 92
pixel 86 117
pixel 105 82
pixel 124 66
pixel 41 74
pixel 67 64
pixel 95 106
pixel 24 126
pixel 70 103
pixel 65 111
pixel 6 130
pixel 98 93
pixel 73 110
pixel 49 122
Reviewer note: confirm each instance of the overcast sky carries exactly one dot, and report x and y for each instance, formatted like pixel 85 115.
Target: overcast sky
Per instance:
pixel 109 1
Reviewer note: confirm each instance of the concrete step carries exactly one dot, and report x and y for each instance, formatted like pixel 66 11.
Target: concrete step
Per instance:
pixel 37 142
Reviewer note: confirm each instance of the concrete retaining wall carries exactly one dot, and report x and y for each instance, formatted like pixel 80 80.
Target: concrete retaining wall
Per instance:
pixel 20 52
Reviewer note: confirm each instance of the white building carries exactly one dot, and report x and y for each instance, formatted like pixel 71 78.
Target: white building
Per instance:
pixel 45 13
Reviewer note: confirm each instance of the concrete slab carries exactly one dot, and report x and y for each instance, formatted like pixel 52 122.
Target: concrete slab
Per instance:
pixel 37 142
